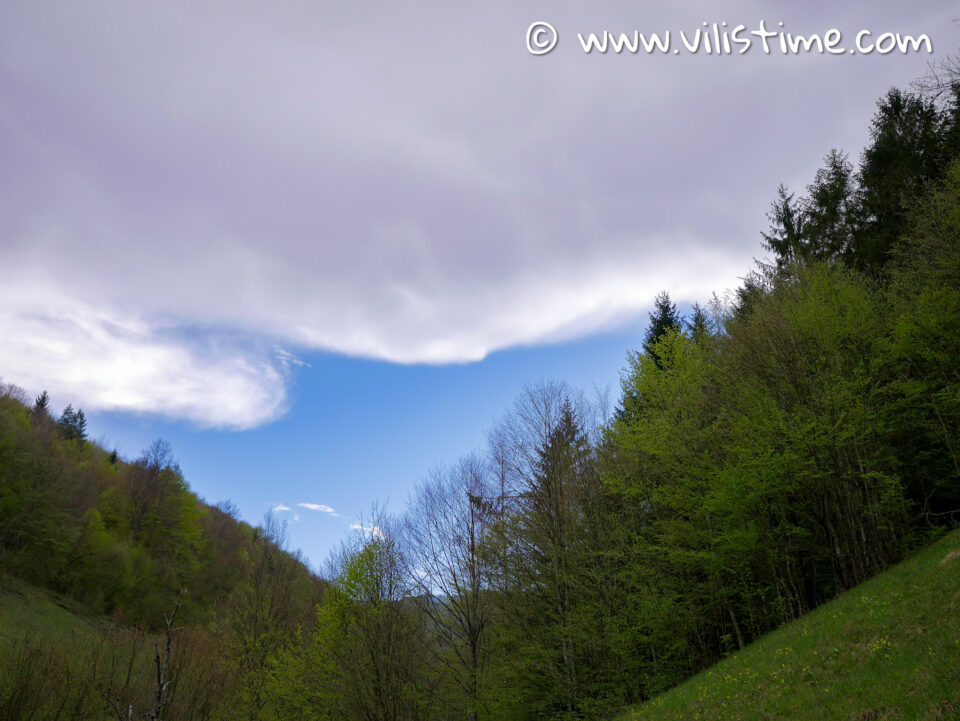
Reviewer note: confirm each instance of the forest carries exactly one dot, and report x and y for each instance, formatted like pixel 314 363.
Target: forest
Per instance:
pixel 776 446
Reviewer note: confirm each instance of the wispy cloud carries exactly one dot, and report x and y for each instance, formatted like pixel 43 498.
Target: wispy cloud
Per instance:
pixel 280 508
pixel 288 359
pixel 320 507
pixel 104 358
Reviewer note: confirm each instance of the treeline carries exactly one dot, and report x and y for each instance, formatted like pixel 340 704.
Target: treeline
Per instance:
pixel 768 451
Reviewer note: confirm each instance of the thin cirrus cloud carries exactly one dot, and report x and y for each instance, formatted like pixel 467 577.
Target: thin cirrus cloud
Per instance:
pixel 197 192
pixel 319 507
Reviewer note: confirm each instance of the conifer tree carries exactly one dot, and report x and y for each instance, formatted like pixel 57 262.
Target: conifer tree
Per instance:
pixel 41 406
pixel 906 152
pixel 664 318
pixel 785 238
pixel 698 324
pixel 66 421
pixel 80 426
pixel 73 424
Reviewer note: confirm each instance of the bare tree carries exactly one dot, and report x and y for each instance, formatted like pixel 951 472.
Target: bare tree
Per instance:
pixel 942 78
pixel 165 680
pixel 449 558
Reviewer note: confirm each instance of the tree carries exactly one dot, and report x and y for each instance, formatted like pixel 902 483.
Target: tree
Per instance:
pixel 560 611
pixel 365 658
pixel 73 424
pixel 698 325
pixel 80 426
pixel 264 610
pixel 785 239
pixel 41 406
pixel 450 558
pixel 830 210
pixel 663 318
pixel 905 153
pixel 925 298
pixel 819 226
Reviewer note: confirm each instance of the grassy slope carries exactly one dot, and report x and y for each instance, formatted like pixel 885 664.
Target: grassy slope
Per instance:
pixel 26 610
pixel 887 649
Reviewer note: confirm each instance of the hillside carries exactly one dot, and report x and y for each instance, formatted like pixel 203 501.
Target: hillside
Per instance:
pixel 887 649
pixel 25 609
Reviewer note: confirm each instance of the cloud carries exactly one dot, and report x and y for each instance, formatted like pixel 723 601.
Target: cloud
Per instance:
pixel 281 507
pixel 368 529
pixel 319 507
pixel 96 357
pixel 196 194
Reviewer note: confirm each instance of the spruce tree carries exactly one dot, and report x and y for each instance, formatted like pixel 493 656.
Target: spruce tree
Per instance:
pixel 786 236
pixel 41 406
pixel 698 325
pixel 73 424
pixel 66 421
pixel 830 210
pixel 907 152
pixel 80 426
pixel 664 318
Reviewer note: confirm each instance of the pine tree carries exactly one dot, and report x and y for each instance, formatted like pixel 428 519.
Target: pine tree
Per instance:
pixel 80 426
pixel 664 318
pixel 73 424
pixel 41 406
pixel 830 210
pixel 907 151
pixel 66 421
pixel 785 238
pixel 698 324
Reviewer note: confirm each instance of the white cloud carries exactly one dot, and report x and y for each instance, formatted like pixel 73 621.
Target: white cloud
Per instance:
pixel 107 359
pixel 319 507
pixel 279 508
pixel 375 188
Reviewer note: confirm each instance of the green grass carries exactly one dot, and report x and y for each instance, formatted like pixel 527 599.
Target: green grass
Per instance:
pixel 887 649
pixel 27 610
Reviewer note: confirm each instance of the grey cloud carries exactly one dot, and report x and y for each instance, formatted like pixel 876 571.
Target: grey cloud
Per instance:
pixel 398 181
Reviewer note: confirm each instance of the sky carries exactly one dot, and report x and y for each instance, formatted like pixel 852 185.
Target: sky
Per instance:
pixel 320 246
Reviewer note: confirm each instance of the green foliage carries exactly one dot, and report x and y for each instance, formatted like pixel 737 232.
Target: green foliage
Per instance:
pixel 118 537
pixel 908 150
pixel 925 345
pixel 364 659
pixel 889 648
pixel 73 424
pixel 858 217
pixel 664 318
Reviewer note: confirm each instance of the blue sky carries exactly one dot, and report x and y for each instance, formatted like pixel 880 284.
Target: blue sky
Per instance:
pixel 320 246
pixel 360 431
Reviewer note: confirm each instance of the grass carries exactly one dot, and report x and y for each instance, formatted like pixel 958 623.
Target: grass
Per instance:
pixel 887 649
pixel 25 609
